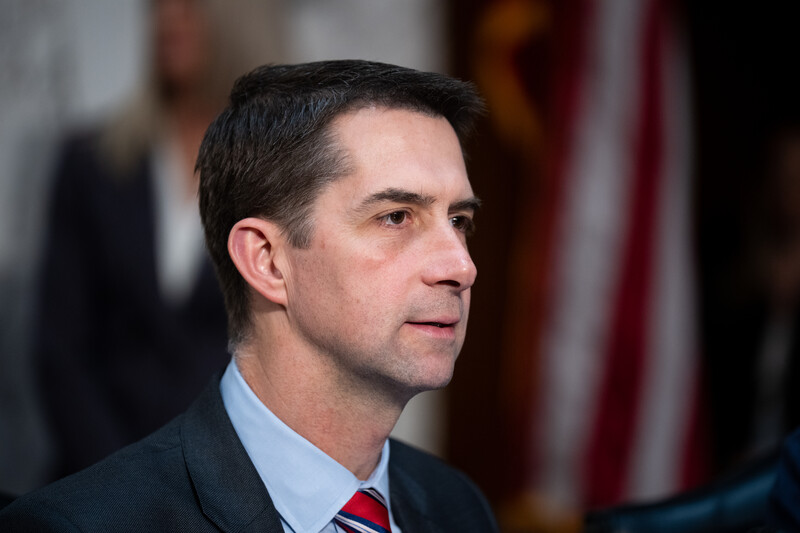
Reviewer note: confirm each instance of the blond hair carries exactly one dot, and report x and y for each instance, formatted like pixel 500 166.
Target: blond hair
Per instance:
pixel 243 34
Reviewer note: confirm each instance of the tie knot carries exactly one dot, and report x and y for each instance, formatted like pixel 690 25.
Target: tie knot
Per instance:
pixel 366 512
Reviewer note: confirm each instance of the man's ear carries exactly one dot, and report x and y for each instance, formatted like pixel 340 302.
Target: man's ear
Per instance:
pixel 257 247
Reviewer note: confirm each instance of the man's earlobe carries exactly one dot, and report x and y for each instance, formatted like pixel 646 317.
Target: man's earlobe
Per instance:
pixel 256 247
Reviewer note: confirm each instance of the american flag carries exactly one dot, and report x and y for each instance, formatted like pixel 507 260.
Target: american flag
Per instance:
pixel 618 370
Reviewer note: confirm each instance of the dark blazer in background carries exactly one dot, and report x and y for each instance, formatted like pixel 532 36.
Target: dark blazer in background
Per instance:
pixel 116 361
pixel 195 475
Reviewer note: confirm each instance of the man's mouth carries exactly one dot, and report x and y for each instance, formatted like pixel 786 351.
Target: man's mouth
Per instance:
pixel 435 324
pixel 443 328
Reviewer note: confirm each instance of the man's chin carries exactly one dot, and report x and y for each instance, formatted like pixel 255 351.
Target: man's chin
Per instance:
pixel 434 380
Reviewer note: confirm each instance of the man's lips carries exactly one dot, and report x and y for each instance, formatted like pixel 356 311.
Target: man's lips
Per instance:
pixel 442 327
pixel 439 323
pixel 442 323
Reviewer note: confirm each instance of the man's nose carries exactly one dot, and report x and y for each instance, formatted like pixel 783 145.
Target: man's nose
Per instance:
pixel 448 261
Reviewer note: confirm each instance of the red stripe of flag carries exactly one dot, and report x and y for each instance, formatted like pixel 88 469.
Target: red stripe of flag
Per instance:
pixel 612 437
pixel 569 72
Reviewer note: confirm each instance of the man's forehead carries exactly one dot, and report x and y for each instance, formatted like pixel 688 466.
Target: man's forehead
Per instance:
pixel 385 114
pixel 380 131
pixel 401 155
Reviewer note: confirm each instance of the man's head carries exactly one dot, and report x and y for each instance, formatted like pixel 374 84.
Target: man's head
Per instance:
pixel 274 149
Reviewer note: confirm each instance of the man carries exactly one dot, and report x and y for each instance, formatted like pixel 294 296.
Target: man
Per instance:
pixel 336 207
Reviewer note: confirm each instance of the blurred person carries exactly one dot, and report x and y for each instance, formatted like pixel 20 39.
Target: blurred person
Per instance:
pixel 777 403
pixel 754 338
pixel 336 207
pixel 130 322
pixel 763 383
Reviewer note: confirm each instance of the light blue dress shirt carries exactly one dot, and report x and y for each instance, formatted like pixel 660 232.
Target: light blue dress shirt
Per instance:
pixel 307 486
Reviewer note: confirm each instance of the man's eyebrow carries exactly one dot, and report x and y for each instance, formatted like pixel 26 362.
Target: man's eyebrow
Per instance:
pixel 399 196
pixel 470 204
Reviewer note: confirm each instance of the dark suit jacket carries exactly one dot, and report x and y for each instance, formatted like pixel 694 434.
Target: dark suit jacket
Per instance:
pixel 116 360
pixel 195 475
pixel 784 505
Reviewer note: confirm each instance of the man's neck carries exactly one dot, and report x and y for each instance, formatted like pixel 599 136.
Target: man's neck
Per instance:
pixel 349 427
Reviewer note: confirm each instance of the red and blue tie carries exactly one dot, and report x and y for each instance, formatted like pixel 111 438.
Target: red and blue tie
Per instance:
pixel 366 512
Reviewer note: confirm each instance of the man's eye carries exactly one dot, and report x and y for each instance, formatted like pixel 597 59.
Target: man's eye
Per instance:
pixel 396 218
pixel 463 224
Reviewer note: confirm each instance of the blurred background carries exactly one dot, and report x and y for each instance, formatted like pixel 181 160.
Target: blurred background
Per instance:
pixel 634 328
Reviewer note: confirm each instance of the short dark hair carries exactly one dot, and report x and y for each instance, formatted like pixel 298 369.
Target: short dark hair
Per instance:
pixel 271 150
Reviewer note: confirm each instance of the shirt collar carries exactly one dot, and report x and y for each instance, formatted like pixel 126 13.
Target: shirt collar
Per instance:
pixel 307 486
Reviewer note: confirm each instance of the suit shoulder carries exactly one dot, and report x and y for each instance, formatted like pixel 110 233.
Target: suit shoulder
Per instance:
pixel 30 514
pixel 79 150
pixel 145 475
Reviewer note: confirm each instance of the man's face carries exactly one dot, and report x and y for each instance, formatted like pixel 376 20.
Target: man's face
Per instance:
pixel 382 293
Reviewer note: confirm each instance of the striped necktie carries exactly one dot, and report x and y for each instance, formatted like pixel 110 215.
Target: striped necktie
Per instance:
pixel 365 513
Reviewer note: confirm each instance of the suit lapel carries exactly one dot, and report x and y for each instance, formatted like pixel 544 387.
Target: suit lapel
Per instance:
pixel 410 504
pixel 229 489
